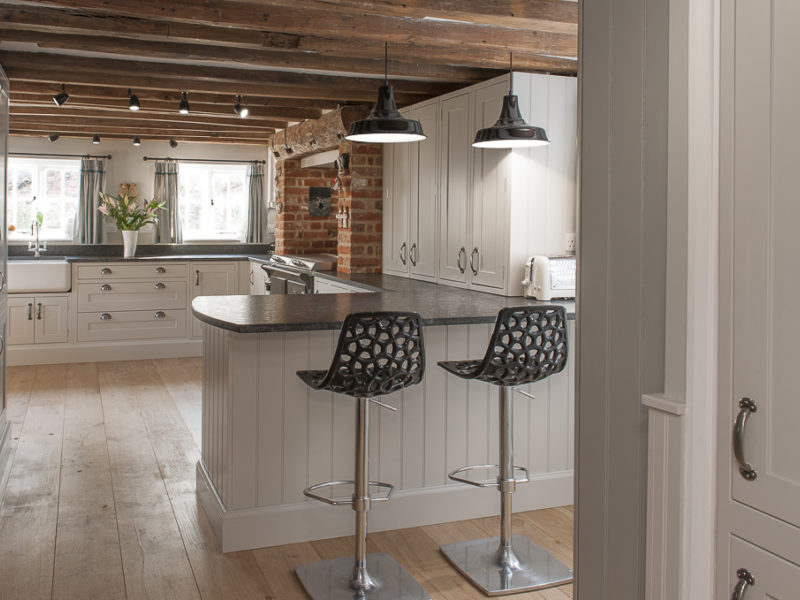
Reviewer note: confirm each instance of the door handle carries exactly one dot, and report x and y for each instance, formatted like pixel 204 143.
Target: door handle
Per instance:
pixel 39 311
pixel 2 281
pixel 2 344
pixel 746 408
pixel 161 270
pixel 160 314
pixel 105 271
pixel 30 311
pixel 472 261
pixel 462 252
pixel 745 579
pixel 160 286
pixel 197 277
pixel 403 253
pixel 413 254
pixel 105 288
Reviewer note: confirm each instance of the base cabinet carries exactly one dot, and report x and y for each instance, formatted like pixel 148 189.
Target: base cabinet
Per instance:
pixel 760 575
pixel 38 319
pixel 212 279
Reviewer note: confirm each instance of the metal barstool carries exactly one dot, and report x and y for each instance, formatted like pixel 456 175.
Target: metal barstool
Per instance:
pixel 377 354
pixel 528 344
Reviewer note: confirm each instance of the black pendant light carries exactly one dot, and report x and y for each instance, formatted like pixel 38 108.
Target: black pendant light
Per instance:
pixel 385 125
pixel 511 130
pixel 133 100
pixel 62 97
pixel 183 107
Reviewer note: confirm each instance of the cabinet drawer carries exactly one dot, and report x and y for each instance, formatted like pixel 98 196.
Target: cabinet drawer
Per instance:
pixel 139 270
pixel 131 295
pixel 131 325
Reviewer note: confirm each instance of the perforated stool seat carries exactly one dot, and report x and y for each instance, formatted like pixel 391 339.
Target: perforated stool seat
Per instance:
pixel 528 344
pixel 377 354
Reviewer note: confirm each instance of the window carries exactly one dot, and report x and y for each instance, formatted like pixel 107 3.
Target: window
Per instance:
pixel 43 188
pixel 212 200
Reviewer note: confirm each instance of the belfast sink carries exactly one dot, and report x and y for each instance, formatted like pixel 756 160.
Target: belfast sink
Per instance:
pixel 39 275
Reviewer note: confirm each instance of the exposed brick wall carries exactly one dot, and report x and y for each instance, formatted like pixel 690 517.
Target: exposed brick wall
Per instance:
pixel 297 232
pixel 359 247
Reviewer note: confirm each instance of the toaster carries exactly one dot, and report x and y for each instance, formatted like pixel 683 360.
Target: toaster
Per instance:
pixel 549 277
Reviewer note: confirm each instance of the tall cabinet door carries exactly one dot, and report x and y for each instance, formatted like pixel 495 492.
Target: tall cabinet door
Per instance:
pixel 759 409
pixel 424 188
pixel 489 195
pixel 455 141
pixel 396 198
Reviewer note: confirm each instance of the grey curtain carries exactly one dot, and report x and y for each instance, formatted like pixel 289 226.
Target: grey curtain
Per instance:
pixel 89 220
pixel 257 213
pixel 168 228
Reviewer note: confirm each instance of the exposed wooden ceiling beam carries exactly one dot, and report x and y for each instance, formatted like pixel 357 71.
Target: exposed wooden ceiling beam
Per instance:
pixel 247 56
pixel 50 88
pixel 106 122
pixel 278 17
pixel 128 116
pixel 163 107
pixel 159 137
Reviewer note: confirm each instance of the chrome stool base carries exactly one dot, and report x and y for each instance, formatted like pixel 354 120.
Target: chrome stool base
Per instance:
pixel 330 580
pixel 477 560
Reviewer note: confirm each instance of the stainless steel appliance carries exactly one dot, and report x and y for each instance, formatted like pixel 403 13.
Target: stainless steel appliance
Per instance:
pixel 295 274
pixel 549 277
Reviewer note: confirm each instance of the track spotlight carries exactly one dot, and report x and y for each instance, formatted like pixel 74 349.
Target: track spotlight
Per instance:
pixel 240 109
pixel 136 141
pixel 173 143
pixel 53 137
pixel 183 107
pixel 133 100
pixel 62 97
pixel 95 139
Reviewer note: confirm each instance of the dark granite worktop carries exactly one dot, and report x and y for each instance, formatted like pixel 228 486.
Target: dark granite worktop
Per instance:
pixel 437 304
pixel 165 252
pixel 160 258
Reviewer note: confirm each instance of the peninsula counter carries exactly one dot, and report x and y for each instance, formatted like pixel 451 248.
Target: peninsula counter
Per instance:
pixel 266 436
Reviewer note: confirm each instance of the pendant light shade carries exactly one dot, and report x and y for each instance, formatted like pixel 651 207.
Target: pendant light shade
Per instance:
pixel 385 125
pixel 510 130
pixel 62 97
pixel 183 107
pixel 133 101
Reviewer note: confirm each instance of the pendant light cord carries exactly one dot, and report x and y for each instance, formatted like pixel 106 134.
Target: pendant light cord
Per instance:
pixel 510 73
pixel 385 63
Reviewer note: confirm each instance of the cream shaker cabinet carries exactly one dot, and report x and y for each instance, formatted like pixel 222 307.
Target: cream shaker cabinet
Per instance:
pixel 396 201
pixel 37 319
pixel 211 279
pixel 758 446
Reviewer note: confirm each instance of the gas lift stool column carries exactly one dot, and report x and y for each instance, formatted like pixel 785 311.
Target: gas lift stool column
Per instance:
pixel 529 343
pixel 377 354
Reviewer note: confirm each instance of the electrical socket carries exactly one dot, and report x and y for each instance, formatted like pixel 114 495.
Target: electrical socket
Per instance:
pixel 569 242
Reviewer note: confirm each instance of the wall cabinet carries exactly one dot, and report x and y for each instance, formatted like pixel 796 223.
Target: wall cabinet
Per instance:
pixel 472 217
pixel 37 319
pixel 212 279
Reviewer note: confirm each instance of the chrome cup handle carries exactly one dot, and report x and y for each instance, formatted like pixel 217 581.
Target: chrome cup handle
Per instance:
pixel 746 408
pixel 745 579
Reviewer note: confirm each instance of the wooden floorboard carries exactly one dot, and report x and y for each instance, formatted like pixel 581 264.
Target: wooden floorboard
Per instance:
pixel 98 499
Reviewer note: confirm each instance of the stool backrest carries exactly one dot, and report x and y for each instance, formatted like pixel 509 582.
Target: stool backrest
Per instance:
pixel 378 353
pixel 528 343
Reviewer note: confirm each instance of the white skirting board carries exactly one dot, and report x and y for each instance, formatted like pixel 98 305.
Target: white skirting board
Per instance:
pixel 309 520
pixel 47 354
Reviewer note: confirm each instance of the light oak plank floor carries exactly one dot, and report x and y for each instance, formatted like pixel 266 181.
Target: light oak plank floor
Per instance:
pixel 98 499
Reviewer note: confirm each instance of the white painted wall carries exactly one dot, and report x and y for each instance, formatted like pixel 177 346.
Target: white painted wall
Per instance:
pixel 126 164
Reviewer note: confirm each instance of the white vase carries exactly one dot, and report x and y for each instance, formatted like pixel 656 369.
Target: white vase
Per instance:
pixel 129 241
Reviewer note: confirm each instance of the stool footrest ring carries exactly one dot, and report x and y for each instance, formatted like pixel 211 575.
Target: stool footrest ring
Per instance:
pixel 377 487
pixel 455 475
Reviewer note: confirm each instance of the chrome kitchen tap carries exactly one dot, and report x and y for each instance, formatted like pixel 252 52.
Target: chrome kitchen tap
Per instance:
pixel 36 248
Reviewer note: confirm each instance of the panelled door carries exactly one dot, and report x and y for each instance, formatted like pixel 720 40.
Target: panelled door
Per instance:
pixel 489 195
pixel 212 279
pixel 455 139
pixel 759 444
pixel 424 185
pixel 396 197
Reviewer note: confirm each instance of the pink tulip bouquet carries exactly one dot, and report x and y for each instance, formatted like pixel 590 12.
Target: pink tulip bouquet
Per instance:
pixel 128 213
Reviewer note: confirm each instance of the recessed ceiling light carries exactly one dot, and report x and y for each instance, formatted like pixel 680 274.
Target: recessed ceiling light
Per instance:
pixel 62 97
